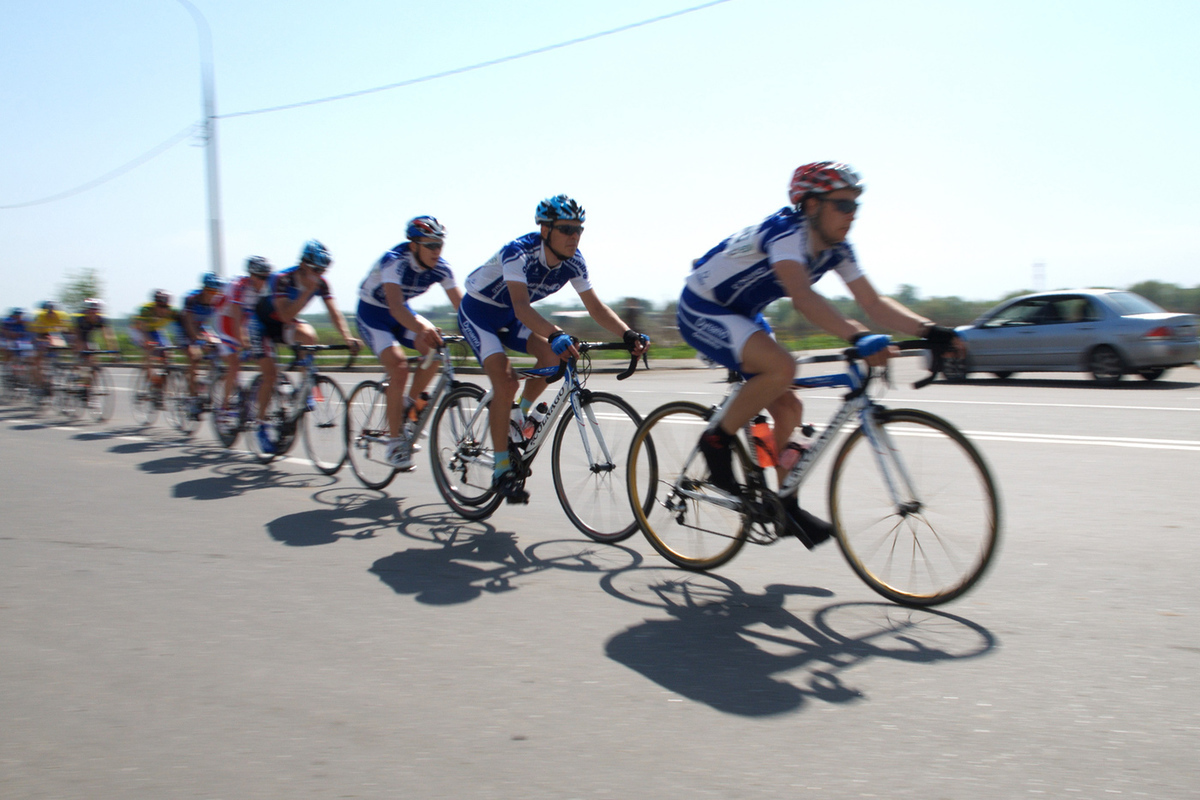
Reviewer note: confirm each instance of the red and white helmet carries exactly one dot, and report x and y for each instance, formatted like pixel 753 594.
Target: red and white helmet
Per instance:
pixel 821 177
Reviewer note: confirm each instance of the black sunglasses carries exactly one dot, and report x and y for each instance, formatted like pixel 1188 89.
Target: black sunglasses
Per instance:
pixel 568 230
pixel 844 206
pixel 433 246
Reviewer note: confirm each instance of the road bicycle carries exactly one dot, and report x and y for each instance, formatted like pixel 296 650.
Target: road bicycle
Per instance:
pixel 80 385
pixel 184 407
pixel 913 504
pixel 316 407
pixel 149 389
pixel 367 432
pixel 588 476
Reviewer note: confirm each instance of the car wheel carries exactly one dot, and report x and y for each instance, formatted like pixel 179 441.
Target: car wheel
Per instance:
pixel 955 369
pixel 1002 375
pixel 1151 373
pixel 1105 365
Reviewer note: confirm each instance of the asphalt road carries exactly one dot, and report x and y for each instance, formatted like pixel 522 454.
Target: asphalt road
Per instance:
pixel 177 621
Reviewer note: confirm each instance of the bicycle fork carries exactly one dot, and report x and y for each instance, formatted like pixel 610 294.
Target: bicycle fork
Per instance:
pixel 891 464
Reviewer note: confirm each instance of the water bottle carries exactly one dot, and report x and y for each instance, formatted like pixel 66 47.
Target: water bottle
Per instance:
pixel 516 425
pixel 537 415
pixel 795 449
pixel 764 442
pixel 418 406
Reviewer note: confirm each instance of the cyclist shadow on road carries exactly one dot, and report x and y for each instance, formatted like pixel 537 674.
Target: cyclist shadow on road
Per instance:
pixel 237 478
pixel 350 513
pixel 744 653
pixel 474 558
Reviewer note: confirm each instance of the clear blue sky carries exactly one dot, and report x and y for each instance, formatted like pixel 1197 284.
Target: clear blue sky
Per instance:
pixel 992 136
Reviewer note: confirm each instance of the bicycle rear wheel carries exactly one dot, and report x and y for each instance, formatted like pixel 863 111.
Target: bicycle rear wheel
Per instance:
pixel 678 511
pixel 275 419
pixel 325 426
pixel 937 539
pixel 68 392
pixel 366 435
pixel 460 451
pixel 589 466
pixel 101 397
pixel 145 401
pixel 179 404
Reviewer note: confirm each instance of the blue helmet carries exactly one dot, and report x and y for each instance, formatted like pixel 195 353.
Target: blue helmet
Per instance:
pixel 49 305
pixel 212 280
pixel 425 227
pixel 315 253
pixel 558 207
pixel 16 312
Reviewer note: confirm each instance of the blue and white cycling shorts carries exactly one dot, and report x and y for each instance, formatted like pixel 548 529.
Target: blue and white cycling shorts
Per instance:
pixel 489 329
pixel 715 331
pixel 379 329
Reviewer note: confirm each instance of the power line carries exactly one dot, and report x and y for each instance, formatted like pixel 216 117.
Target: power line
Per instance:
pixel 174 140
pixel 473 67
pixel 119 171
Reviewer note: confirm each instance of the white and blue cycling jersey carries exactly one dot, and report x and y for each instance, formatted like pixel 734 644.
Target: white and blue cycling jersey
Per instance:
pixel 738 273
pixel 399 266
pixel 523 261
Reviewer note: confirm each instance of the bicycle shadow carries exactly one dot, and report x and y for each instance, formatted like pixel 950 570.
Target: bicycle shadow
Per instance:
pixel 352 514
pixel 746 654
pixel 242 476
pixel 474 558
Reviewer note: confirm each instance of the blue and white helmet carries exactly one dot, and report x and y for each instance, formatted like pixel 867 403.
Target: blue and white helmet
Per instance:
pixel 257 265
pixel 315 253
pixel 425 227
pixel 211 280
pixel 559 207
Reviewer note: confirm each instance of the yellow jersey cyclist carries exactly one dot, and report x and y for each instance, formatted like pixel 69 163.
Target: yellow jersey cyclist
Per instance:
pixel 386 322
pixel 497 312
pixel 720 312
pixel 49 329
pixel 276 320
pixel 148 330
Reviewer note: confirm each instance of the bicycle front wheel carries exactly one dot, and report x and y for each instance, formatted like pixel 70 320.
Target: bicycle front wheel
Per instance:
pixel 460 451
pixel 101 397
pixel 588 465
pixel 145 401
pixel 916 512
pixel 367 434
pixel 277 438
pixel 682 516
pixel 325 426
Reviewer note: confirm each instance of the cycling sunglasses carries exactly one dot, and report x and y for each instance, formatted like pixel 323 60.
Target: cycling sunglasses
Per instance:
pixel 569 230
pixel 844 206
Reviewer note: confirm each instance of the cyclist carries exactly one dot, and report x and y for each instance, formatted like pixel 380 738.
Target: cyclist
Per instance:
pixel 148 330
pixel 720 312
pixel 49 328
pixel 16 334
pixel 385 320
pixel 90 320
pixel 497 312
pixel 199 306
pixel 234 308
pixel 276 321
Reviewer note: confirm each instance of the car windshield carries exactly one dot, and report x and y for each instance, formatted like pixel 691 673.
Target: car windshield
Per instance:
pixel 1131 303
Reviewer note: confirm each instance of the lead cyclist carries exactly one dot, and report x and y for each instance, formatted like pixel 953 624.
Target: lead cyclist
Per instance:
pixel 720 313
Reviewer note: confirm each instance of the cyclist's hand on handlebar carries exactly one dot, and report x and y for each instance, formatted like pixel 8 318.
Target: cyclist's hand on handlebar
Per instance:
pixel 354 344
pixel 428 338
pixel 563 346
pixel 637 343
pixel 874 348
pixel 942 340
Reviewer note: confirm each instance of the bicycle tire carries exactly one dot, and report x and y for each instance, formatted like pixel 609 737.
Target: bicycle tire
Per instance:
pixel 692 533
pixel 226 428
pixel 101 397
pixel 179 403
pixel 144 403
pixel 592 490
pixel 948 534
pixel 324 425
pixel 460 453
pixel 366 425
pixel 68 392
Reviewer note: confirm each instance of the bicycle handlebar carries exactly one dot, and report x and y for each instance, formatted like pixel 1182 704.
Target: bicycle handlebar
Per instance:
pixel 316 348
pixel 584 347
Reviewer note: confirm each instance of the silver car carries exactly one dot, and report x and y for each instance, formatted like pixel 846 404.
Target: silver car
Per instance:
pixel 1105 332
